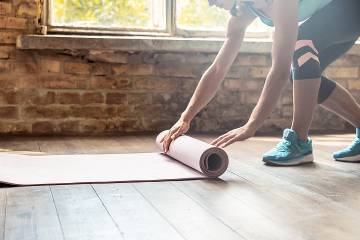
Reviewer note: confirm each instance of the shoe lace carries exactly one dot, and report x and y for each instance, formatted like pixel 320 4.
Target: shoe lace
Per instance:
pixel 284 145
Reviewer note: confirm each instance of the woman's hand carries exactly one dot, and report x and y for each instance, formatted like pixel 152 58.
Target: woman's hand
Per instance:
pixel 237 134
pixel 180 127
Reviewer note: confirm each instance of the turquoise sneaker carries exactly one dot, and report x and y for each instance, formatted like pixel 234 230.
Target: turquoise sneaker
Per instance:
pixel 352 152
pixel 290 151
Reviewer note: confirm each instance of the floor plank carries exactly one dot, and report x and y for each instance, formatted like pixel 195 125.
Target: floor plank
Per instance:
pixel 255 201
pixel 31 214
pixel 2 212
pixel 82 214
pixel 135 216
pixel 189 218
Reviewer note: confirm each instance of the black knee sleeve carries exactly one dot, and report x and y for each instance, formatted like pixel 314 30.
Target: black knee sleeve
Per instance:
pixel 306 64
pixel 327 86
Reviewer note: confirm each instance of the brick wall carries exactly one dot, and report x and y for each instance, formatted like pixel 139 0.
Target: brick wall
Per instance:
pixel 106 92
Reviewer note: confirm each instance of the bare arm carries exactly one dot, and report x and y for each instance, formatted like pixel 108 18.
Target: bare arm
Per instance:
pixel 286 31
pixel 215 74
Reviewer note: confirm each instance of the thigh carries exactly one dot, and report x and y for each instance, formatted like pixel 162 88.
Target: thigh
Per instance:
pixel 336 23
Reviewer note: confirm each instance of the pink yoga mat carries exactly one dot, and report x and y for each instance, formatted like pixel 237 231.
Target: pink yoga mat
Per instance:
pixel 188 158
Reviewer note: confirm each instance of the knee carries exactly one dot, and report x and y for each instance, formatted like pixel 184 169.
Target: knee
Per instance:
pixel 305 64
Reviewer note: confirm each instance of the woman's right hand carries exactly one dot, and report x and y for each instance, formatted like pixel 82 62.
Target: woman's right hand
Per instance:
pixel 180 127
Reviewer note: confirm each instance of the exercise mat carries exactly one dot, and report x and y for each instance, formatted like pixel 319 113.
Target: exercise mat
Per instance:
pixel 188 158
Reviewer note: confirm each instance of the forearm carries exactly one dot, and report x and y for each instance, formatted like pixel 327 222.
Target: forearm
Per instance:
pixel 204 92
pixel 274 85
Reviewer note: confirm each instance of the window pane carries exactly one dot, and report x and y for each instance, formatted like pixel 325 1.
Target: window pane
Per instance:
pixel 198 15
pixel 139 14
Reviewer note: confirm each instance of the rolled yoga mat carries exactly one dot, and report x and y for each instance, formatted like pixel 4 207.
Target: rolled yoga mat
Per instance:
pixel 188 158
pixel 201 156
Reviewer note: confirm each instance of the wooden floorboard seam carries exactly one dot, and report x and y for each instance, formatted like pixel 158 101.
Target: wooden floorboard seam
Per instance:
pixel 157 210
pixel 5 206
pixel 207 210
pixel 107 210
pixel 57 213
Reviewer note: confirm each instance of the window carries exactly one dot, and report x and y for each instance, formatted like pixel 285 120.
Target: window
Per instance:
pixel 169 17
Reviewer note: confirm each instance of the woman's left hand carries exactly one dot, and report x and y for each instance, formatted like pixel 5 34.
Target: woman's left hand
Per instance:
pixel 237 134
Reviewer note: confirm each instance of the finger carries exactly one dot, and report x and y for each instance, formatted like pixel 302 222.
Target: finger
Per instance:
pixel 230 141
pixel 176 134
pixel 218 139
pixel 167 144
pixel 225 139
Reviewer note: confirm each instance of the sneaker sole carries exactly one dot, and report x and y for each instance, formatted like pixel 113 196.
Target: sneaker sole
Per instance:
pixel 354 159
pixel 303 160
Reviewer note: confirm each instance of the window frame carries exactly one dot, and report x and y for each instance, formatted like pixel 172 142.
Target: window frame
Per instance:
pixel 171 30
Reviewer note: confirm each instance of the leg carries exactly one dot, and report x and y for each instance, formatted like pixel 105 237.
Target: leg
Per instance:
pixel 324 37
pixel 334 97
pixel 304 106
pixel 344 105
pixel 337 23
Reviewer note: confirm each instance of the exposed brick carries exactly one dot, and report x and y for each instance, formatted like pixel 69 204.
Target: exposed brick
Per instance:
pixel 15 128
pixel 115 98
pixel 76 68
pixel 108 56
pixel 354 84
pixel 68 98
pixel 343 72
pixel 62 81
pixel 159 84
pixel 50 66
pixel 8 37
pixel 110 83
pixel 52 112
pixel 140 70
pixel 5 52
pixel 70 127
pixel 250 97
pixel 178 70
pixel 92 126
pixel 95 112
pixel 92 97
pixel 28 9
pixel 9 82
pixel 24 67
pixel 33 96
pixel 43 127
pixel 8 98
pixel 234 84
pixel 9 112
pixel 100 69
pixel 4 66
pixel 135 99
pixel 259 72
pixel 252 60
pixel 13 23
pixel 5 8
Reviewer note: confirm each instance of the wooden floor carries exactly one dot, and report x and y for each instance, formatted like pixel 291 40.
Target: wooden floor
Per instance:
pixel 252 201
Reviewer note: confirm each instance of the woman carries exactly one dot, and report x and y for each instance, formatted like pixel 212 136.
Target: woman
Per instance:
pixel 329 28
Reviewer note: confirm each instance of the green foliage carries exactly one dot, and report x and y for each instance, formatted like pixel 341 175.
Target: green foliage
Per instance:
pixel 134 13
pixel 198 14
pixel 102 13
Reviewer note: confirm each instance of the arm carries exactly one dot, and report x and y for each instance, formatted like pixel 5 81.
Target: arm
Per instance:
pixel 215 74
pixel 286 31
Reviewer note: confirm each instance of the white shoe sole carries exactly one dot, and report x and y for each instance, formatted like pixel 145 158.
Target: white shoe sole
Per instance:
pixel 306 159
pixel 355 158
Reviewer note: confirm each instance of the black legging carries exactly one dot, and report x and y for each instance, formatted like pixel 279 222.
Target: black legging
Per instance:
pixel 333 31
